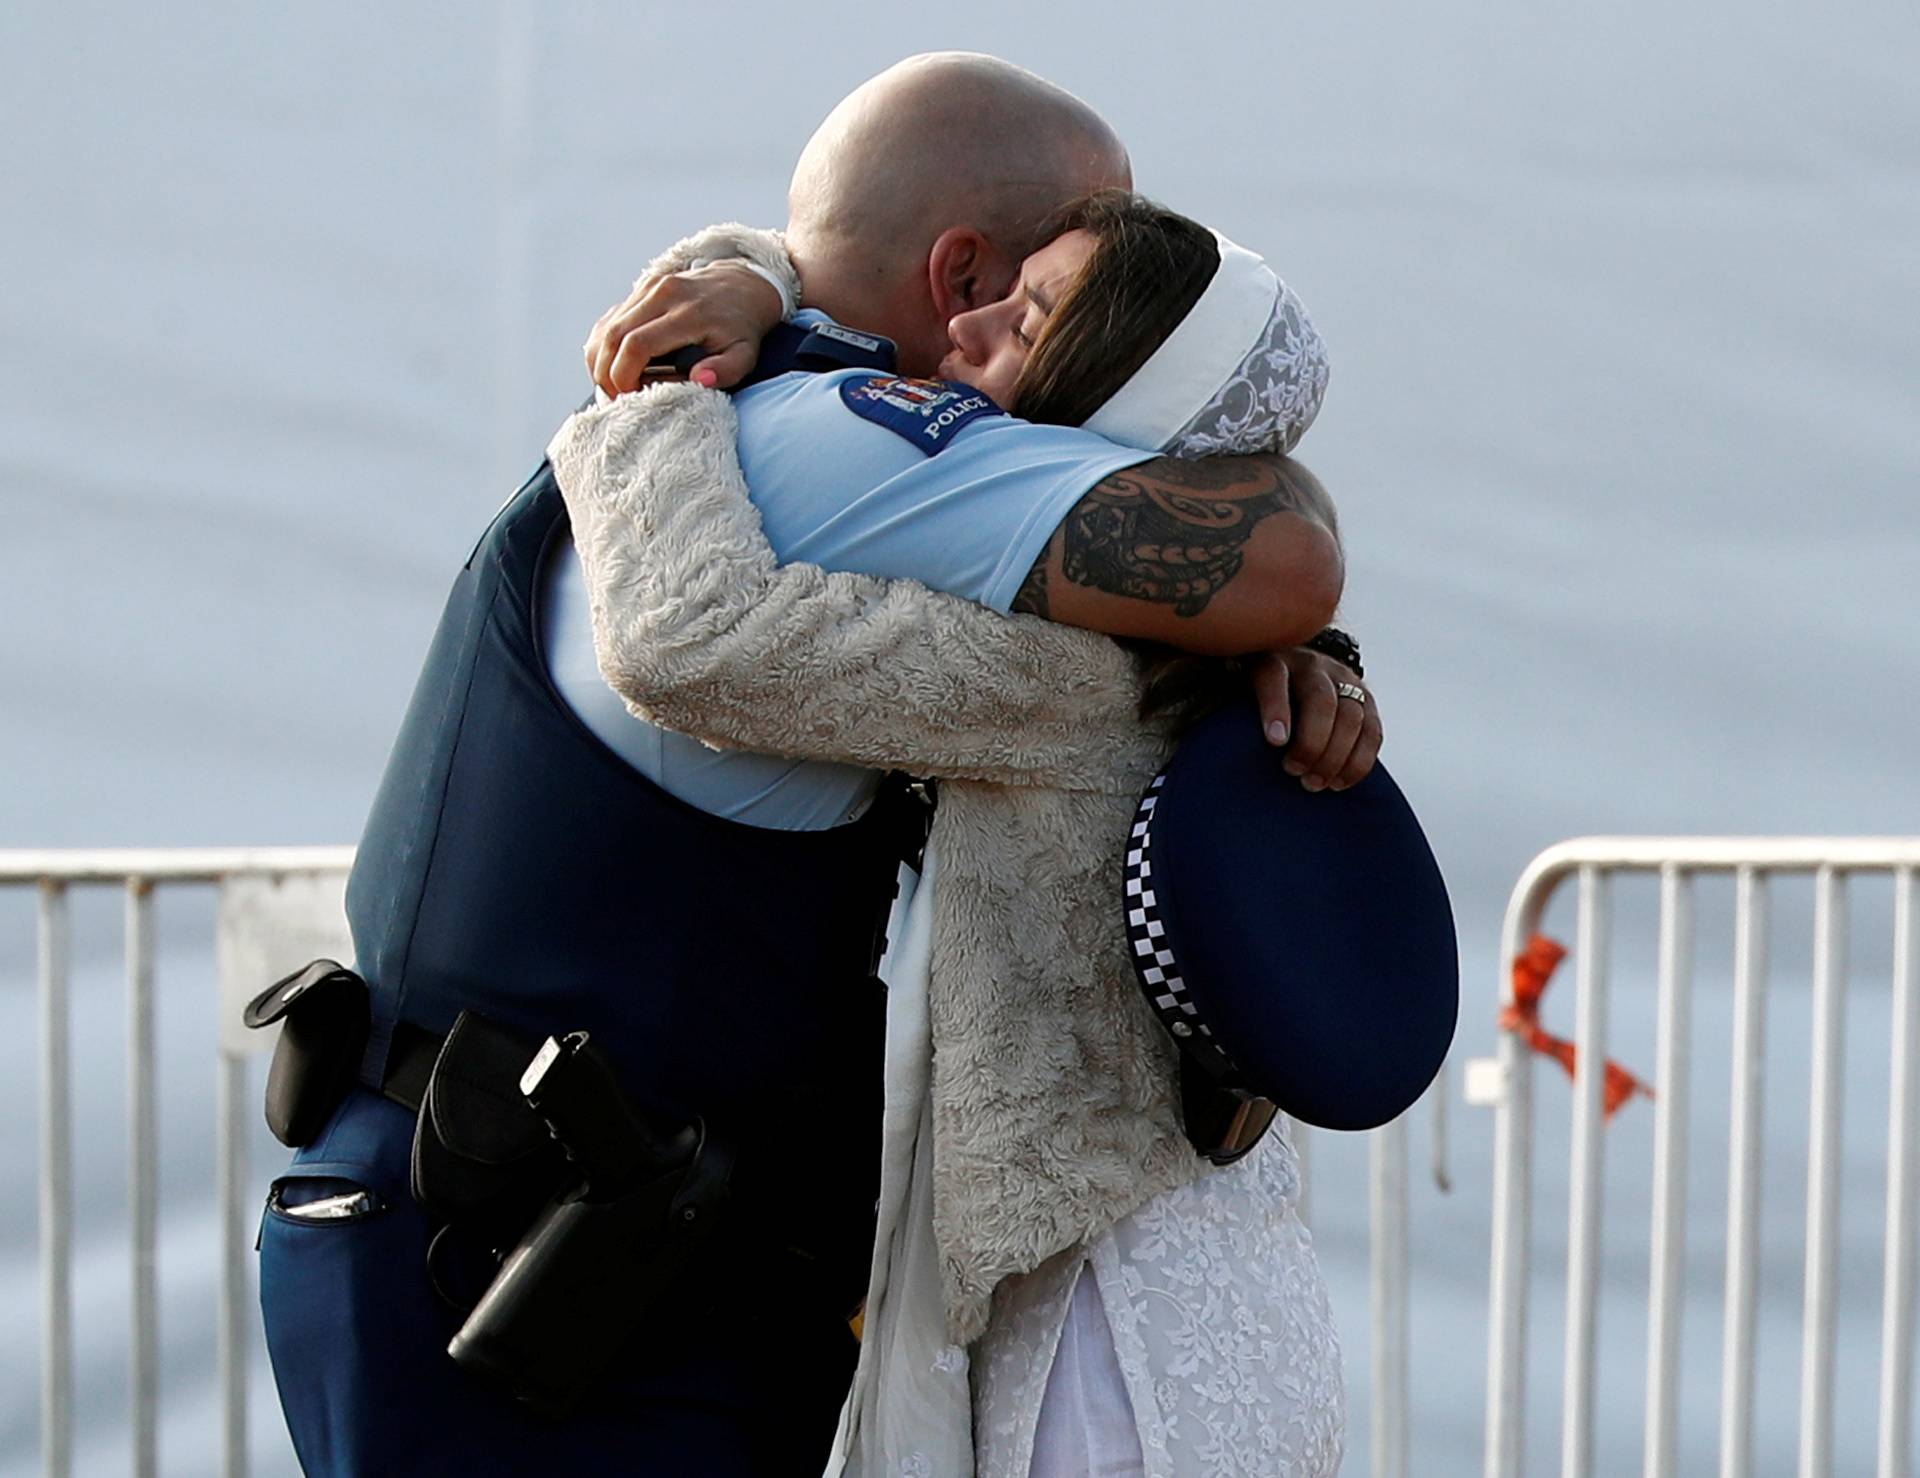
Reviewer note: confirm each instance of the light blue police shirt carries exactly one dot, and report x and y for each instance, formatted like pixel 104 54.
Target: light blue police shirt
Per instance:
pixel 845 491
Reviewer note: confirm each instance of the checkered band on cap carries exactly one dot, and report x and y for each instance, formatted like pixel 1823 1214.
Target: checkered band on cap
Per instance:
pixel 1153 959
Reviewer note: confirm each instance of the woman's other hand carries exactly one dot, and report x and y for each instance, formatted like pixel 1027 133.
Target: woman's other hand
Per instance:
pixel 724 307
pixel 1331 740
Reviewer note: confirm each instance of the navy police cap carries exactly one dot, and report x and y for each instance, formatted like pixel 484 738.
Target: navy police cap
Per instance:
pixel 1299 946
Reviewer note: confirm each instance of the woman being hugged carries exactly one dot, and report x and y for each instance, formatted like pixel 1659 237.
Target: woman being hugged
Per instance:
pixel 1122 1306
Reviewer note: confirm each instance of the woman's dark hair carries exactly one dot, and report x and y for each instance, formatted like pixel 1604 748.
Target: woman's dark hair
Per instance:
pixel 1148 268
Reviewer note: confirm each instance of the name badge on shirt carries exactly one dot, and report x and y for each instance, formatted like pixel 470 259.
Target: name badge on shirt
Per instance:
pixel 928 413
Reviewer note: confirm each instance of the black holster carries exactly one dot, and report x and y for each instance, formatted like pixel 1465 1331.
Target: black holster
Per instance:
pixel 324 1014
pixel 583 1280
pixel 483 1161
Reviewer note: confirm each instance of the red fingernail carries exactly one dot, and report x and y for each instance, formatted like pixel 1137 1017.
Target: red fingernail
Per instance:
pixel 706 377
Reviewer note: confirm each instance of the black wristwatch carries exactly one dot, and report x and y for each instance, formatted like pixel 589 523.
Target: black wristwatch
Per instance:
pixel 1335 643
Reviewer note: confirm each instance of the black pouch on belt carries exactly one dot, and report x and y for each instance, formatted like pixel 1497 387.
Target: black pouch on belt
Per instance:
pixel 324 1014
pixel 483 1161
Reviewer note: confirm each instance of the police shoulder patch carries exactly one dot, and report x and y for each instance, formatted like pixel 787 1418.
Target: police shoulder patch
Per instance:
pixel 928 413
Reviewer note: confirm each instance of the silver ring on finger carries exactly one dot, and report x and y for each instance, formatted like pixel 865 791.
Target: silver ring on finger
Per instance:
pixel 1352 690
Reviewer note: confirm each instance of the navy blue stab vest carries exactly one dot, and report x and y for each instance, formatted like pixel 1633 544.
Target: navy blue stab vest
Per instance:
pixel 514 865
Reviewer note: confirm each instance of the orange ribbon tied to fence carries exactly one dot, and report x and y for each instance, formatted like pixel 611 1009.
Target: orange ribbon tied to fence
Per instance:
pixel 1533 967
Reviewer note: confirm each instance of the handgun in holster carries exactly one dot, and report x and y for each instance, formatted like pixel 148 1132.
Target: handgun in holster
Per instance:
pixel 584 1278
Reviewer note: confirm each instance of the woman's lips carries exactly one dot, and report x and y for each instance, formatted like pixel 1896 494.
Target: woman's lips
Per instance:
pixel 955 367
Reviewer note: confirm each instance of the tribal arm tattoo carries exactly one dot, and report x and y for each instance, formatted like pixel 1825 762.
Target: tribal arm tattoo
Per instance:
pixel 1173 532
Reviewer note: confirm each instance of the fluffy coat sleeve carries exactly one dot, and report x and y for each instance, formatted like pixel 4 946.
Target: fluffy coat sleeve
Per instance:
pixel 699 628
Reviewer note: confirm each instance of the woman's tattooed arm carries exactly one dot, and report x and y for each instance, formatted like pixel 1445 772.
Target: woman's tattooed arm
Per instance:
pixel 1173 532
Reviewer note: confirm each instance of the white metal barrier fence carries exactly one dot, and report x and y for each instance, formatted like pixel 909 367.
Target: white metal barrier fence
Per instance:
pixel 1506 1084
pixel 278 908
pixel 248 934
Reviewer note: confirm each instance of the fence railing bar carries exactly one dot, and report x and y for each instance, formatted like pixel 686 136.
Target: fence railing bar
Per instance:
pixel 1510 1239
pixel 56 1186
pixel 1903 1188
pixel 1743 1173
pixel 1727 853
pixel 232 1117
pixel 1583 1201
pixel 1823 1172
pixel 1387 1164
pixel 166 864
pixel 1666 1271
pixel 143 1179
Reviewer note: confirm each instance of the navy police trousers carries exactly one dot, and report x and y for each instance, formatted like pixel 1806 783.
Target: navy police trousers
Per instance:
pixel 739 1373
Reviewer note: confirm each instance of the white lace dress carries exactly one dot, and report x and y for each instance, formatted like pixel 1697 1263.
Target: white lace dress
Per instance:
pixel 1220 1322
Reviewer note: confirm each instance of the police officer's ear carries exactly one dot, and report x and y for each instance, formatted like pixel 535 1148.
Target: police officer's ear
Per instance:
pixel 965 271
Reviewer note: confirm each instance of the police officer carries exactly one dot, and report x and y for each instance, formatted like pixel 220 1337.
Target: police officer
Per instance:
pixel 537 854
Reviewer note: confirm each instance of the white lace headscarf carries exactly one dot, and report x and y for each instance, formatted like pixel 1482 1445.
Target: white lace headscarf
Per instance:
pixel 1245 371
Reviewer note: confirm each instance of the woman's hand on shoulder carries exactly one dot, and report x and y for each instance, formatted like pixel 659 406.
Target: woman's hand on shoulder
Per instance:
pixel 1331 738
pixel 724 308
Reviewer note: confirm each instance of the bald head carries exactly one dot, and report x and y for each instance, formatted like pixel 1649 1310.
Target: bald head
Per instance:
pixel 947 136
pixel 937 142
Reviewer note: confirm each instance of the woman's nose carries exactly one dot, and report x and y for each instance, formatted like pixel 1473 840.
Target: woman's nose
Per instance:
pixel 968 333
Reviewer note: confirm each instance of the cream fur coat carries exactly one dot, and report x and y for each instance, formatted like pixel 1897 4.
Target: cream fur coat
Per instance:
pixel 1055 1097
